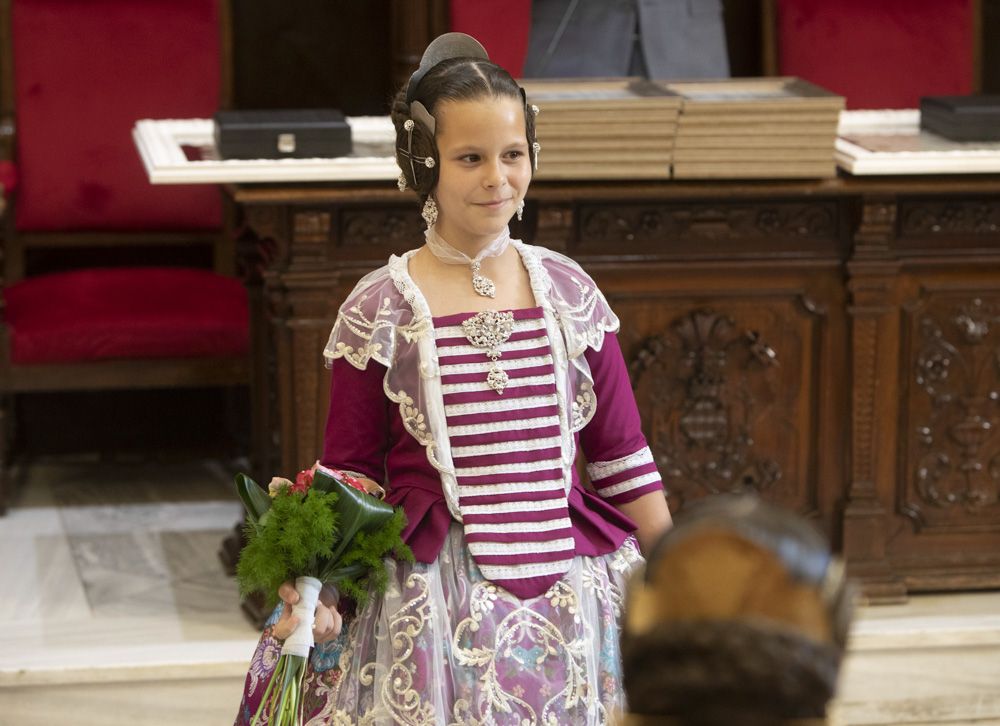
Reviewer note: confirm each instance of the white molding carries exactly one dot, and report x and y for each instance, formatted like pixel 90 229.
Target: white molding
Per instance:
pixel 160 143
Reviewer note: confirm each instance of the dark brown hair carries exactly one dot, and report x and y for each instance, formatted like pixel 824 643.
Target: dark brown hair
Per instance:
pixel 455 79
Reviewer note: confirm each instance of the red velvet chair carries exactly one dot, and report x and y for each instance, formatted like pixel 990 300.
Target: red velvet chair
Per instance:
pixel 880 53
pixel 110 282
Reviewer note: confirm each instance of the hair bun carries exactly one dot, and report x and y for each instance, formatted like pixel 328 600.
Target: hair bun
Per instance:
pixel 443 47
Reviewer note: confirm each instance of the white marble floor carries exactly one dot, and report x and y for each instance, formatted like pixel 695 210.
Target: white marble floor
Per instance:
pixel 111 580
pixel 115 609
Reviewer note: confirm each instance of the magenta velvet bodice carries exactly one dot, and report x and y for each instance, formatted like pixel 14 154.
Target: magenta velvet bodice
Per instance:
pixel 365 434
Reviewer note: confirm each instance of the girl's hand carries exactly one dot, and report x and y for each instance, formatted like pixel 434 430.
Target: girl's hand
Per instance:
pixel 326 624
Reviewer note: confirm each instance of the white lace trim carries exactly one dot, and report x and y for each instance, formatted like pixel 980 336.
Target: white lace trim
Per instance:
pixel 500 404
pixel 497 426
pixel 583 312
pixel 508 365
pixel 520 326
pixel 523 467
pixel 584 405
pixel 603 469
pixel 628 485
pixel 517 572
pixel 521 548
pixel 575 316
pixel 482 490
pixel 510 347
pixel 502 447
pixel 547 525
pixel 512 507
pixel 512 384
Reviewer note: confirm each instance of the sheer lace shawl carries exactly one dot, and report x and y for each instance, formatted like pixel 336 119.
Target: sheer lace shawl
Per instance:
pixel 386 318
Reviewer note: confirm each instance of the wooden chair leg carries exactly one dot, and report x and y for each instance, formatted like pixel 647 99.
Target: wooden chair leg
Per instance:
pixel 229 550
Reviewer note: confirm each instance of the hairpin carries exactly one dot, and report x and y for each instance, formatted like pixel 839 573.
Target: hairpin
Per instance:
pixel 427 161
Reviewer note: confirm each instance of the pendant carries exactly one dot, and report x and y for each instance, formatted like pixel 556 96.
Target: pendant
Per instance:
pixel 497 379
pixel 483 286
pixel 489 330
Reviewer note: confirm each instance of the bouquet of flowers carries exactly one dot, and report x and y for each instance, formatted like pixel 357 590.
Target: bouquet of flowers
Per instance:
pixel 322 529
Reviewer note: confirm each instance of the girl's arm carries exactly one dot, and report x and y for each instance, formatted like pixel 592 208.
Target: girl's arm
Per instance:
pixel 620 463
pixel 357 425
pixel 651 516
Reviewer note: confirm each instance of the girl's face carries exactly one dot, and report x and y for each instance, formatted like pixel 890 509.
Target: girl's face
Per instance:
pixel 484 168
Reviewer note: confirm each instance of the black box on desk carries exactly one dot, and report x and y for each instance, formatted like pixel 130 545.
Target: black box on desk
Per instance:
pixel 282 134
pixel 962 118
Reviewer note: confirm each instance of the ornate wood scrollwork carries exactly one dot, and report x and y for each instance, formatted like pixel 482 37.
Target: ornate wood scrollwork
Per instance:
pixel 263 243
pixel 651 223
pixel 956 369
pixel 707 386
pixel 392 227
pixel 311 230
pixel 966 217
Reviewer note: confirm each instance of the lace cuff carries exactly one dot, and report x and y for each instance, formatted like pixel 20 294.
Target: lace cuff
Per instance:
pixel 622 480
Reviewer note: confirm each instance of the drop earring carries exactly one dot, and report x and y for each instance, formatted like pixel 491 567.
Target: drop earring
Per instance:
pixel 520 210
pixel 430 212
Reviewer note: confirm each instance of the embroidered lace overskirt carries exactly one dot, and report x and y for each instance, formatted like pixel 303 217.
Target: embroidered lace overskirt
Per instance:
pixel 445 646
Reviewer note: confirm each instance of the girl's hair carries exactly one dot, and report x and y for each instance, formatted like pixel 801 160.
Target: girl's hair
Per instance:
pixel 454 79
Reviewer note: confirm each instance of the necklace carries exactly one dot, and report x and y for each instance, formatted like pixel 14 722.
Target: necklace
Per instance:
pixel 450 255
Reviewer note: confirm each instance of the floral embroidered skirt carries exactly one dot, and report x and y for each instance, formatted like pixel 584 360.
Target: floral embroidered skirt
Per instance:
pixel 445 646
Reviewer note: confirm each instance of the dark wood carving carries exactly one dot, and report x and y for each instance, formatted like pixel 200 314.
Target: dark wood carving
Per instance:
pixel 866 516
pixel 389 228
pixel 953 410
pixel 555 226
pixel 649 223
pixel 705 392
pixel 830 344
pixel 721 395
pixel 951 217
pixel 268 225
pixel 311 236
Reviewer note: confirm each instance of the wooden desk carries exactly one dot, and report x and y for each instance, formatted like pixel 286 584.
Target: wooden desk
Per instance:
pixel 832 344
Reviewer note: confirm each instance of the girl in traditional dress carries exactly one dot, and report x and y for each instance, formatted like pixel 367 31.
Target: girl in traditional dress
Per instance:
pixel 467 376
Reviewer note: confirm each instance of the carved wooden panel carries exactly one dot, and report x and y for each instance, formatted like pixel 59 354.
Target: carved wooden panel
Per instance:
pixel 833 345
pixel 385 229
pixel 666 228
pixel 951 471
pixel 949 217
pixel 968 223
pixel 728 394
pixel 311 230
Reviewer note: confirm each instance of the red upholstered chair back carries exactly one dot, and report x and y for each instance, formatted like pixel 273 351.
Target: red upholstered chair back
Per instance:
pixel 94 294
pixel 502 26
pixel 880 53
pixel 84 71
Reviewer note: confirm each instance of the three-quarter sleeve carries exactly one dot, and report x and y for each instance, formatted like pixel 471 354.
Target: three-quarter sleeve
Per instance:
pixel 357 425
pixel 619 461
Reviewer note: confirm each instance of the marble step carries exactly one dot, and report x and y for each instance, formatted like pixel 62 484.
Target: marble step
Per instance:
pixel 934 660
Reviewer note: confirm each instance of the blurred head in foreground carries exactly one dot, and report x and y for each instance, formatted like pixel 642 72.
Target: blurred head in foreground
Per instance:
pixel 740 617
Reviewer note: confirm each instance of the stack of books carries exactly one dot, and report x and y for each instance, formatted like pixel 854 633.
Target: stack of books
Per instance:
pixel 755 128
pixel 603 128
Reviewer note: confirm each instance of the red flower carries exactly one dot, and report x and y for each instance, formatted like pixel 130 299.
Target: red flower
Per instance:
pixel 303 480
